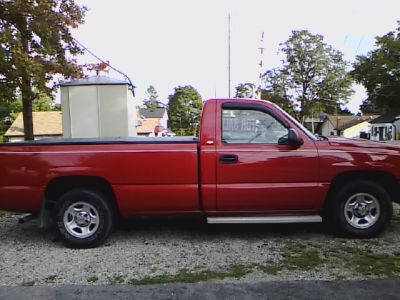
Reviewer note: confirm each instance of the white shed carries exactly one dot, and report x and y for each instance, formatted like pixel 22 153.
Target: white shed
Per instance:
pixel 97 106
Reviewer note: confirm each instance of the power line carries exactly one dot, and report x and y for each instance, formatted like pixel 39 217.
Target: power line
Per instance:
pixel 107 63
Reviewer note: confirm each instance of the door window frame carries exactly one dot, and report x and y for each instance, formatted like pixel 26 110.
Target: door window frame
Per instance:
pixel 254 107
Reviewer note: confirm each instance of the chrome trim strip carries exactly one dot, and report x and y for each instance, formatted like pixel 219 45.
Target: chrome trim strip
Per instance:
pixel 265 219
pixel 259 150
pixel 98 151
pixel 337 152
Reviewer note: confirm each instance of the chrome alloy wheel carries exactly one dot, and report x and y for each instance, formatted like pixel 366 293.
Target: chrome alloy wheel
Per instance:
pixel 81 219
pixel 362 210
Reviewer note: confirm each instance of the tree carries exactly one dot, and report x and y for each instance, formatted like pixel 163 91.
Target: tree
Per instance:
pixel 245 90
pixel 345 112
pixel 282 102
pixel 35 45
pixel 43 102
pixel 368 107
pixel 184 108
pixel 151 102
pixel 313 75
pixel 276 90
pixel 379 72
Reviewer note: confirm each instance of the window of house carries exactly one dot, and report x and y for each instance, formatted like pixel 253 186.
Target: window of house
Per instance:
pixel 251 127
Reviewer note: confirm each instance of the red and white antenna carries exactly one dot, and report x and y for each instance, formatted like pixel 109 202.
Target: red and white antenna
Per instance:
pixel 260 64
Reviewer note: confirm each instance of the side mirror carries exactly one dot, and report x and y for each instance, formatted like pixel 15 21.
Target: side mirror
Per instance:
pixel 294 138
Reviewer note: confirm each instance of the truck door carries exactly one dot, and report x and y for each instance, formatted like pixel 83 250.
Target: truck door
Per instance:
pixel 257 171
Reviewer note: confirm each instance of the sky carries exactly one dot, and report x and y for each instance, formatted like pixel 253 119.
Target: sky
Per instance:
pixel 174 43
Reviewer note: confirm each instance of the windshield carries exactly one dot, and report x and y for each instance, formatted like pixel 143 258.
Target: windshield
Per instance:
pixel 301 127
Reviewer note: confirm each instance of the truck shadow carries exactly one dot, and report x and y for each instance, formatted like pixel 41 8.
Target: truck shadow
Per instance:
pixel 194 225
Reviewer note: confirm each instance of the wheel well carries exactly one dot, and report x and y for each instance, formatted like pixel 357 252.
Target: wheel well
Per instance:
pixel 386 180
pixel 59 186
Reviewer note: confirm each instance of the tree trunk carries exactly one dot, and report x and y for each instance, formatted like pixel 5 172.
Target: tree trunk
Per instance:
pixel 26 88
pixel 27 98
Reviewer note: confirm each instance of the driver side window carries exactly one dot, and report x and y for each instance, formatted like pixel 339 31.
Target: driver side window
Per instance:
pixel 245 126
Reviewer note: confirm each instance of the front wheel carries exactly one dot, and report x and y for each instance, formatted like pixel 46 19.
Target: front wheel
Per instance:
pixel 84 218
pixel 360 209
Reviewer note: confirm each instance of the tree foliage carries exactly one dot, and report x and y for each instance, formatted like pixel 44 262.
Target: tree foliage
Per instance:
pixel 43 102
pixel 151 100
pixel 184 108
pixel 279 100
pixel 313 75
pixel 35 43
pixel 245 90
pixel 276 90
pixel 379 72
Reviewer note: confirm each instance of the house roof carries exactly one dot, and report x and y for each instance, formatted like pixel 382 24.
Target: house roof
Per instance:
pixel 44 123
pixel 344 122
pixel 148 126
pixel 152 113
pixel 386 118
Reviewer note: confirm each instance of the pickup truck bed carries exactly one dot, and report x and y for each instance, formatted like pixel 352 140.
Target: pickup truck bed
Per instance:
pixel 166 184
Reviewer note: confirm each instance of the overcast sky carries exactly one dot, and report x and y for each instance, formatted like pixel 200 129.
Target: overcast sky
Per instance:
pixel 184 42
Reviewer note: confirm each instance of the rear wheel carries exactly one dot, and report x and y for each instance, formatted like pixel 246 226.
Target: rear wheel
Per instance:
pixel 361 208
pixel 84 218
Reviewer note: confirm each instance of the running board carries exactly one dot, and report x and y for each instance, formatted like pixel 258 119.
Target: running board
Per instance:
pixel 265 219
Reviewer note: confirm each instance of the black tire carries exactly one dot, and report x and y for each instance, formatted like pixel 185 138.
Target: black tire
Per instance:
pixel 84 218
pixel 359 209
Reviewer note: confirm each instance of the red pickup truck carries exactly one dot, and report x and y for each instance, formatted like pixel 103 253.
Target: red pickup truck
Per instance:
pixel 253 163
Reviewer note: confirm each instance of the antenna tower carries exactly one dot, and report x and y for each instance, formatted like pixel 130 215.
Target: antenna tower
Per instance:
pixel 260 64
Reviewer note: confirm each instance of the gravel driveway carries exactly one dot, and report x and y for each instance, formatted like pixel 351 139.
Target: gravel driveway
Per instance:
pixel 143 251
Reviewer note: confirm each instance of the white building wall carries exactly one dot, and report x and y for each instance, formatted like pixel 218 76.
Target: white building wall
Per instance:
pixel 327 128
pixel 164 120
pixel 84 111
pixel 379 132
pixel 397 128
pixel 354 131
pixel 98 111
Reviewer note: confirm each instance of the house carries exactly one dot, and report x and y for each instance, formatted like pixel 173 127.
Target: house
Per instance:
pixel 46 125
pixel 152 122
pixel 386 127
pixel 314 124
pixel 158 113
pixel 346 126
pixel 147 126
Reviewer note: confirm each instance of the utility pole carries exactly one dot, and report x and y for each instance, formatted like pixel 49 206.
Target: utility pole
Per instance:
pixel 229 55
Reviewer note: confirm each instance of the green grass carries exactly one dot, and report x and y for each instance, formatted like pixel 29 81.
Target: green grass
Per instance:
pixel 271 269
pixel 93 279
pixel 363 260
pixel 186 276
pixel 377 264
pixel 51 279
pixel 297 256
pixel 116 279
